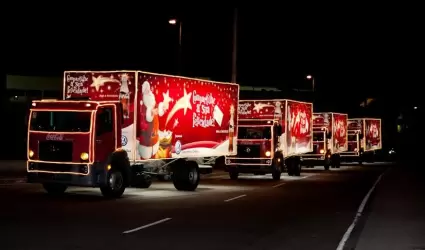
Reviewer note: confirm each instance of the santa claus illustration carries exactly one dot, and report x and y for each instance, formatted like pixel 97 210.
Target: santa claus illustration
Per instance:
pixel 278 111
pixel 150 113
pixel 301 128
pixel 339 133
pixel 374 134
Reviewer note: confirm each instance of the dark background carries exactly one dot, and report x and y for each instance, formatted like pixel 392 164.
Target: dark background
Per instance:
pixel 354 52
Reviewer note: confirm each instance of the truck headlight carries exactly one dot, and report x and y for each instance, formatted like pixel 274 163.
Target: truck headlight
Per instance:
pixel 30 153
pixel 268 153
pixel 84 156
pixel 322 151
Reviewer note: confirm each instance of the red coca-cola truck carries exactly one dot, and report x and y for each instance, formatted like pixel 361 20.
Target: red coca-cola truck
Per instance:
pixel 364 138
pixel 329 140
pixel 272 134
pixel 116 129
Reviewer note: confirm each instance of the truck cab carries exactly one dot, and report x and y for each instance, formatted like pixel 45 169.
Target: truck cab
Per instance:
pixel 257 149
pixel 78 143
pixel 355 147
pixel 322 149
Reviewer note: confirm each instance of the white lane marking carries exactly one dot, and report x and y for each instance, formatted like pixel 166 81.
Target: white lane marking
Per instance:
pixel 146 226
pixel 350 229
pixel 278 185
pixel 234 198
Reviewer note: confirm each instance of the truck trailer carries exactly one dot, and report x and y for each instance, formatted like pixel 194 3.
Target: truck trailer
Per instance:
pixel 329 140
pixel 364 138
pixel 115 129
pixel 272 134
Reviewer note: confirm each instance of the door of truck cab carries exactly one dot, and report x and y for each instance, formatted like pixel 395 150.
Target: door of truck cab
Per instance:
pixel 105 136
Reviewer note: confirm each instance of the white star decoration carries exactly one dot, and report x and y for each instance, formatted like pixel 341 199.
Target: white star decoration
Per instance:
pixel 182 103
pixel 176 122
pixel 260 106
pixel 100 81
pixel 167 98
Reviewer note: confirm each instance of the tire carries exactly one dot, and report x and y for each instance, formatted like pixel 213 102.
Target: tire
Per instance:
pixel 233 175
pixel 326 167
pixel 276 175
pixel 297 168
pixel 186 176
pixel 290 167
pixel 146 182
pixel 277 169
pixel 55 188
pixel 115 184
pixel 337 161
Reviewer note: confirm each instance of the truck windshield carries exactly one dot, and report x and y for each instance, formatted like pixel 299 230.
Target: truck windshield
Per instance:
pixel 352 138
pixel 60 121
pixel 318 136
pixel 254 133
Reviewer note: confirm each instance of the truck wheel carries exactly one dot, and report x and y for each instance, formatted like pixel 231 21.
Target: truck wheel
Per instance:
pixel 337 161
pixel 234 175
pixel 297 168
pixel 186 177
pixel 277 169
pixel 146 182
pixel 55 188
pixel 276 175
pixel 115 186
pixel 326 166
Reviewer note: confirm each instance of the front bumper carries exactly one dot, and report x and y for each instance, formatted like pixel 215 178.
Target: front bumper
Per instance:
pixel 316 160
pixel 88 175
pixel 249 165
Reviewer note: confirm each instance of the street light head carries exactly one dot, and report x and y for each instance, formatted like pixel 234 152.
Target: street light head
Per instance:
pixel 172 21
pixel 309 77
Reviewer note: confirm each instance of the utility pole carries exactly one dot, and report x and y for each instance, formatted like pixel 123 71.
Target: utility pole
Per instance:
pixel 235 46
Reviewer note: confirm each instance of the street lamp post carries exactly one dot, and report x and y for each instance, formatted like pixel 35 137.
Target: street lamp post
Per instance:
pixel 310 77
pixel 174 22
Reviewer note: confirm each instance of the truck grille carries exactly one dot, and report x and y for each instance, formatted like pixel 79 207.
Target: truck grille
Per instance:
pixel 249 151
pixel 59 151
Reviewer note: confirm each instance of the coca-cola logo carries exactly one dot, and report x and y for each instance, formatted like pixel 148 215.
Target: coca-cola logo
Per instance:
pixel 54 137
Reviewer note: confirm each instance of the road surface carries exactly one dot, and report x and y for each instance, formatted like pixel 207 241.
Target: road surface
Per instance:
pixel 308 212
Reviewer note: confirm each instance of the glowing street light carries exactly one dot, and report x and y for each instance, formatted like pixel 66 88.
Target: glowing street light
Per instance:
pixel 174 22
pixel 310 77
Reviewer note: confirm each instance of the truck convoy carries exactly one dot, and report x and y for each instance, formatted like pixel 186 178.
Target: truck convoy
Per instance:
pixel 364 138
pixel 271 134
pixel 115 129
pixel 329 140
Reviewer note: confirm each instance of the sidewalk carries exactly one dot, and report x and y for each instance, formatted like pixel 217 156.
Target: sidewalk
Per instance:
pixel 397 212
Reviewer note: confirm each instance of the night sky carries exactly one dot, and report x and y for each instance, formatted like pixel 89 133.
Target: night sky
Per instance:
pixel 364 49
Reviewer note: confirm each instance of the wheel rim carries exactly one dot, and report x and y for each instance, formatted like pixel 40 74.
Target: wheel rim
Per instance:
pixel 193 176
pixel 116 181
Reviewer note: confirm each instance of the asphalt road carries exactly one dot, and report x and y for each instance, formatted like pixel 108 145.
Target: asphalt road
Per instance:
pixel 308 212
